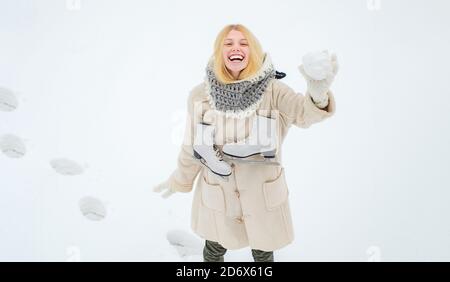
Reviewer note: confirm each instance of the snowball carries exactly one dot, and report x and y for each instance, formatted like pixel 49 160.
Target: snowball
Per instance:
pixel 185 243
pixel 12 146
pixel 8 100
pixel 317 65
pixel 66 166
pixel 92 208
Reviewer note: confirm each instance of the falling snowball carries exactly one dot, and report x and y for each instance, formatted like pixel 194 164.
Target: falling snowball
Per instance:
pixel 317 65
pixel 12 146
pixel 92 208
pixel 185 243
pixel 8 100
pixel 66 166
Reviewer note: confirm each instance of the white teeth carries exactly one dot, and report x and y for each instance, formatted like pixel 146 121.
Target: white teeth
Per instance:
pixel 232 57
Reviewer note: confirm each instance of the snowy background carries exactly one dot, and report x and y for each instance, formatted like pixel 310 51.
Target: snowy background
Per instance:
pixel 92 107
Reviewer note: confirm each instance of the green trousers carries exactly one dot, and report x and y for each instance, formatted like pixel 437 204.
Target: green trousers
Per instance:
pixel 214 252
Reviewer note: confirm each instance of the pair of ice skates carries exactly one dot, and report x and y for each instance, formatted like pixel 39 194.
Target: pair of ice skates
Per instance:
pixel 261 141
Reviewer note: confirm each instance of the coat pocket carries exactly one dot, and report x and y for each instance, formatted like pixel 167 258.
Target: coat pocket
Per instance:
pixel 276 191
pixel 212 196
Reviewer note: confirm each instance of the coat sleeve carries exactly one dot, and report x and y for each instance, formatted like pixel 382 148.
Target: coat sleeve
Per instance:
pixel 182 179
pixel 298 109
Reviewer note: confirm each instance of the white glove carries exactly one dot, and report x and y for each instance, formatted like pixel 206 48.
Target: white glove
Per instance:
pixel 319 70
pixel 164 186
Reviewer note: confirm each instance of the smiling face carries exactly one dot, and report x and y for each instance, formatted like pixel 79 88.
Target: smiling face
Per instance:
pixel 235 52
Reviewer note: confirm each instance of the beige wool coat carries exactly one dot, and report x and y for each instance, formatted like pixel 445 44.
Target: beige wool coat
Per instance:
pixel 252 207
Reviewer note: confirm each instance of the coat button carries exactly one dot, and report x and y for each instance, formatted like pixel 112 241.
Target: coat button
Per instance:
pixel 237 193
pixel 239 219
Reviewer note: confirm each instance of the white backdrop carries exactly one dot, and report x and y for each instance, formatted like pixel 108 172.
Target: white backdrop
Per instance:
pixel 104 83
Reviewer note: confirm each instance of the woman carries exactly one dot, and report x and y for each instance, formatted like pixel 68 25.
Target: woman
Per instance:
pixel 250 207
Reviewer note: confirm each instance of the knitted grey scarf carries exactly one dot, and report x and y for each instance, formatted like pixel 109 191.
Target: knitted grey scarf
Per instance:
pixel 242 97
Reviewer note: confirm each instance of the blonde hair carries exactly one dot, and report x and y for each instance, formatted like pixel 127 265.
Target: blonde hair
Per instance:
pixel 255 61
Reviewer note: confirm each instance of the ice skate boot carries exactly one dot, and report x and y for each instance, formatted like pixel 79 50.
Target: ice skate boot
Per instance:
pixel 208 153
pixel 261 141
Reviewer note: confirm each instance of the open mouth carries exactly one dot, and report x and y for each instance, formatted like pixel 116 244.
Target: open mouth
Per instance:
pixel 236 58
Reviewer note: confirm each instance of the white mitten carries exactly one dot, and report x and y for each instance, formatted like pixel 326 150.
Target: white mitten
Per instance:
pixel 164 186
pixel 319 70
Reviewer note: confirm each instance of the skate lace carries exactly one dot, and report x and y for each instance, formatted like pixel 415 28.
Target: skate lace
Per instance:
pixel 219 153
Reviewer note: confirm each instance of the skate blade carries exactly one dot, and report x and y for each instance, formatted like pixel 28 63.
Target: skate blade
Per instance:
pixel 267 155
pixel 268 161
